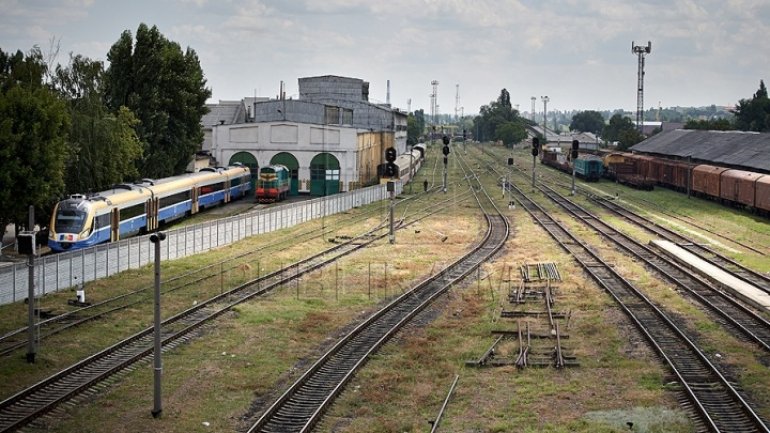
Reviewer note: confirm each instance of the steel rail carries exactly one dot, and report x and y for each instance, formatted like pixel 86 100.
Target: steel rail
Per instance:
pixel 303 404
pixel 718 404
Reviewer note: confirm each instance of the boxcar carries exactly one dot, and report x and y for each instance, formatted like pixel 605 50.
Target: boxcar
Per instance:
pixel 706 179
pixel 739 186
pixel 762 193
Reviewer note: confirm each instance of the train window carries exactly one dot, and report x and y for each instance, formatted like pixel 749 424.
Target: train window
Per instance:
pixel 174 199
pixel 211 188
pixel 131 211
pixel 70 221
pixel 102 221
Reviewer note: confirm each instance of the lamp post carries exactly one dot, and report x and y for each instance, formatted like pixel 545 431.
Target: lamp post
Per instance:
pixel 545 100
pixel 157 364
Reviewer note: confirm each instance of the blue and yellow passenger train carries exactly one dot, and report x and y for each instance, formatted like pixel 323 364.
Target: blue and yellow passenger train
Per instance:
pixel 127 209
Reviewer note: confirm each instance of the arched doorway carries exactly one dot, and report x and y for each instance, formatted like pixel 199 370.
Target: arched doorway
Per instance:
pixel 291 163
pixel 324 175
pixel 249 160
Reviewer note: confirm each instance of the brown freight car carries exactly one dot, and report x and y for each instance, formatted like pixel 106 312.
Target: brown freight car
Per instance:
pixel 672 173
pixel 645 166
pixel 738 186
pixel 762 193
pixel 705 179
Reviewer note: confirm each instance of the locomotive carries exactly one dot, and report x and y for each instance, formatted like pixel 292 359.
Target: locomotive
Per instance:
pixel 127 209
pixel 273 183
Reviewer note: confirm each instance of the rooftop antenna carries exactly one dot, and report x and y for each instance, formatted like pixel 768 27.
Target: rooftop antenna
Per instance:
pixel 409 105
pixel 640 51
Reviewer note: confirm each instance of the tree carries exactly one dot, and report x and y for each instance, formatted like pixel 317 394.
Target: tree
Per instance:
pixel 710 125
pixel 754 114
pixel 412 130
pixel 587 121
pixel 104 147
pixel 494 115
pixel 511 133
pixel 165 89
pixel 33 134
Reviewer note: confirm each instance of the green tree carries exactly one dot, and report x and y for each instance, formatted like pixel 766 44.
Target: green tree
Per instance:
pixel 617 124
pixel 104 147
pixel 494 115
pixel 510 133
pixel 33 133
pixel 587 121
pixel 710 125
pixel 412 130
pixel 754 114
pixel 165 89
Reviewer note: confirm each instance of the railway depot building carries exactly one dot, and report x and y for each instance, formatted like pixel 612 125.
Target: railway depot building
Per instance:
pixel 332 139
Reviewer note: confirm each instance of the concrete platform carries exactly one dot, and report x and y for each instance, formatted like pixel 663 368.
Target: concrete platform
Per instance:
pixel 743 290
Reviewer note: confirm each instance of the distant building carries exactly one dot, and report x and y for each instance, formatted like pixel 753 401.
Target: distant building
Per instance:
pixel 332 138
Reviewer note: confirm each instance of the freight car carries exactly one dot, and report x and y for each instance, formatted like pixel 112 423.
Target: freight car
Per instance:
pixel 736 187
pixel 588 167
pixel 622 168
pixel 273 183
pixel 82 221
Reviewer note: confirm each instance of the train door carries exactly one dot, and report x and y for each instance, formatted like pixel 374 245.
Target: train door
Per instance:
pixel 194 194
pixel 115 225
pixel 287 159
pixel 324 175
pixel 250 161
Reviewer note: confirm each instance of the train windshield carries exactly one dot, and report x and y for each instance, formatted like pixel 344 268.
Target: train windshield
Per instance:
pixel 70 221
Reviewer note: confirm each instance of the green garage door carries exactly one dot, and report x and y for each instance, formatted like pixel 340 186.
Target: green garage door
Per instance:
pixel 324 175
pixel 291 163
pixel 250 161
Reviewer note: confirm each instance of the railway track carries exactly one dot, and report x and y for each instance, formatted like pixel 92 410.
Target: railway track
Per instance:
pixel 16 339
pixel 704 252
pixel 39 399
pixel 731 313
pixel 740 318
pixel 302 405
pixel 718 406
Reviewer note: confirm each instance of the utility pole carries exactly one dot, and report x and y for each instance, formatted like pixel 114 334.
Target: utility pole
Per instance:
pixel 157 364
pixel 392 192
pixel 640 51
pixel 545 100
pixel 26 245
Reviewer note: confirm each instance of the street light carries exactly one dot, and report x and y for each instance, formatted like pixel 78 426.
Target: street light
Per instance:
pixel 545 100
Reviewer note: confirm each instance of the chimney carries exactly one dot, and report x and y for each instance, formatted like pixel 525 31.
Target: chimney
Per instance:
pixel 387 100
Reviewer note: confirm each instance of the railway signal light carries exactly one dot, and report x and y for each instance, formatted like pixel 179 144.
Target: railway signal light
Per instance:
pixel 390 154
pixel 391 169
pixel 464 135
pixel 510 161
pixel 535 146
pixel 445 139
pixel 445 150
pixel 26 243
pixel 575 147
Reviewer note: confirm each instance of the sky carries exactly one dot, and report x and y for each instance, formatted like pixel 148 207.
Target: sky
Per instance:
pixel 576 52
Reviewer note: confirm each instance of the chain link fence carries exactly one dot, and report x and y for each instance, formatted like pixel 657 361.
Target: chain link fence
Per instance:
pixel 64 270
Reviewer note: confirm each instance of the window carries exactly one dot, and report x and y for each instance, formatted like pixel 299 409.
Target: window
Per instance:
pixel 70 221
pixel 174 199
pixel 102 221
pixel 131 211
pixel 347 116
pixel 332 115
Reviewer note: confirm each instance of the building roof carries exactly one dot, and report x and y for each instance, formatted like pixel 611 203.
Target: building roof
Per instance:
pixel 746 150
pixel 224 113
